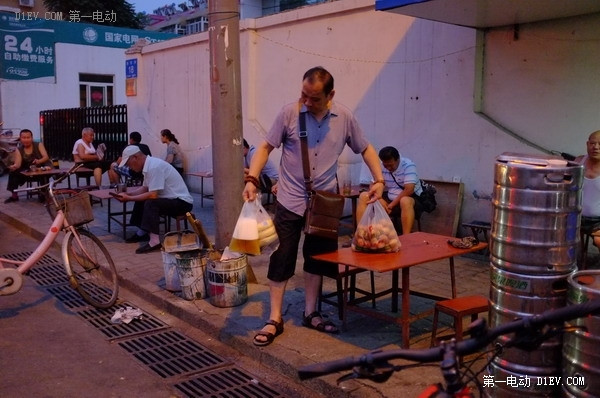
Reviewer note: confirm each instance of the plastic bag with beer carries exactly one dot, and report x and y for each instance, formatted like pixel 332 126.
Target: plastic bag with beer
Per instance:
pixel 245 234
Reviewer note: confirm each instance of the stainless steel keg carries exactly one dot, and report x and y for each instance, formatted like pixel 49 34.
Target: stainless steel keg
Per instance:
pixel 533 250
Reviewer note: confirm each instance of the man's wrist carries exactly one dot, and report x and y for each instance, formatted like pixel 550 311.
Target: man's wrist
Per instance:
pixel 379 182
pixel 253 180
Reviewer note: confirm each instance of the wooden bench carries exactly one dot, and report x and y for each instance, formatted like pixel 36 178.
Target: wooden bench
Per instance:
pixel 444 220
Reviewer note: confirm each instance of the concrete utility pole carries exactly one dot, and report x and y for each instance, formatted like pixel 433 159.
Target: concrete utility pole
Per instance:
pixel 226 114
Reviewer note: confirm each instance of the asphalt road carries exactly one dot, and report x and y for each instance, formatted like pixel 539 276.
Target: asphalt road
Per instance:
pixel 47 350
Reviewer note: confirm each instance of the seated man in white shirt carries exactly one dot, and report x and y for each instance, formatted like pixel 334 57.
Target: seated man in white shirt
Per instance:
pixel 92 158
pixel 163 193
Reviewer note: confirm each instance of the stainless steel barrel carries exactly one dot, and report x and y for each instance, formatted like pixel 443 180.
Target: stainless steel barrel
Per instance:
pixel 537 202
pixel 581 347
pixel 533 250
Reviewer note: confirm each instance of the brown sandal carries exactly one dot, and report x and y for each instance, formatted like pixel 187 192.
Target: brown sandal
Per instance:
pixel 321 326
pixel 270 336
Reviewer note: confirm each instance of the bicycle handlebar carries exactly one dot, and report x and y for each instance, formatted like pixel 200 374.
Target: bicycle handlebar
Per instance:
pixel 482 338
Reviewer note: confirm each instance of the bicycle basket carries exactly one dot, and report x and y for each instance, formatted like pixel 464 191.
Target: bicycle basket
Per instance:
pixel 77 208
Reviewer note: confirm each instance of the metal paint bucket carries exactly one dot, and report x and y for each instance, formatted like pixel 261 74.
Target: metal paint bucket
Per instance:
pixel 190 266
pixel 227 281
pixel 172 282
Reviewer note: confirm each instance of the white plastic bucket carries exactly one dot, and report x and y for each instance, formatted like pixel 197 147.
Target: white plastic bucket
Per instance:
pixel 172 282
pixel 190 266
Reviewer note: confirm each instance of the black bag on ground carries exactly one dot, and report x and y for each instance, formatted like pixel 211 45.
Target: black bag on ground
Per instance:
pixel 427 198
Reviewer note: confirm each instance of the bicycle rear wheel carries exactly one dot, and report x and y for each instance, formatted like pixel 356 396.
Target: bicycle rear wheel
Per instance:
pixel 91 269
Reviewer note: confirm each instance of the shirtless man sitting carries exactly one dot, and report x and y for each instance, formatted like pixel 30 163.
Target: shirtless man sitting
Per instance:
pixel 590 198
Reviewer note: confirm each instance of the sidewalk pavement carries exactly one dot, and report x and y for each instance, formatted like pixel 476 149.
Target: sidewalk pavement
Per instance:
pixel 143 274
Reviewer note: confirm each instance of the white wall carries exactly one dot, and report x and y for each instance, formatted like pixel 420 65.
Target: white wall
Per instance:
pixel 22 101
pixel 410 82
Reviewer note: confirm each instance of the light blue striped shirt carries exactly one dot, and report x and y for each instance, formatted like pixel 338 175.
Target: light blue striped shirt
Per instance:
pixel 406 173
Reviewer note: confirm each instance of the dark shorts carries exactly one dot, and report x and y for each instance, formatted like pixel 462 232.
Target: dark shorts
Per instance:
pixel 590 224
pixel 396 210
pixel 104 165
pixel 282 264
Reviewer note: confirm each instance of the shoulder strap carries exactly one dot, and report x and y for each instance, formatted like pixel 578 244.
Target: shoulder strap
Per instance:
pixel 304 147
pixel 396 181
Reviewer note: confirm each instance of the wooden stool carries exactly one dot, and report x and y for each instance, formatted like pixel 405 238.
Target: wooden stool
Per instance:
pixel 352 290
pixel 166 221
pixel 458 308
pixel 85 174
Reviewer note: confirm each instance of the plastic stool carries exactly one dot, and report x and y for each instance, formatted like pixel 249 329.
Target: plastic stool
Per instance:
pixel 458 308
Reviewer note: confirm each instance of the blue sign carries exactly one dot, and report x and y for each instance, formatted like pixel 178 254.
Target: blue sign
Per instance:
pixel 29 43
pixel 131 68
pixel 28 51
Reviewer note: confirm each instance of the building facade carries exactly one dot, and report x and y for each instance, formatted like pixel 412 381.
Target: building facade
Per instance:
pixel 53 64
pixel 426 87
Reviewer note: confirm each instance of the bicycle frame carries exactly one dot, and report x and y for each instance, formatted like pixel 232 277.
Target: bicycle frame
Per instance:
pixel 51 235
pixel 59 223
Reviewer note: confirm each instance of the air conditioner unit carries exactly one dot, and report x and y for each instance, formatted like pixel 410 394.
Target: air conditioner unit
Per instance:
pixel 26 3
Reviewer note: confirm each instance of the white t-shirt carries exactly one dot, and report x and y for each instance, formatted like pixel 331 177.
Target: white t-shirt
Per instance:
pixel 160 176
pixel 89 148
pixel 590 197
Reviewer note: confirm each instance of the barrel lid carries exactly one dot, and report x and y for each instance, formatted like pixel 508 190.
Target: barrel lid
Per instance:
pixel 526 160
pixel 587 280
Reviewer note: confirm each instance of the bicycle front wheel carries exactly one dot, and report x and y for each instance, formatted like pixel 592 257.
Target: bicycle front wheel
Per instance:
pixel 91 269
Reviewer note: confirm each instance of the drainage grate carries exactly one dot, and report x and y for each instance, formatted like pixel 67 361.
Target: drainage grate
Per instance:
pixel 49 275
pixel 46 272
pixel 100 319
pixel 170 353
pixel 226 382
pixel 46 259
pixel 68 296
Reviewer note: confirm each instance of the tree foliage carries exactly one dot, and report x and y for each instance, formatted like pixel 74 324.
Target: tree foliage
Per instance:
pixel 122 11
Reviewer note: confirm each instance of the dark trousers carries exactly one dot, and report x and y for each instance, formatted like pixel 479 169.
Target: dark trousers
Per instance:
pixel 15 180
pixel 146 215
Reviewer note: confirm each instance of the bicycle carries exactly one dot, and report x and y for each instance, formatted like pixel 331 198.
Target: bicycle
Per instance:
pixel 88 264
pixel 529 333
